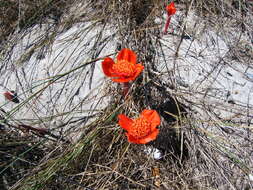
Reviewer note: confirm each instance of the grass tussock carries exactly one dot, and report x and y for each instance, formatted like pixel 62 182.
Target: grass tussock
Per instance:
pixel 205 136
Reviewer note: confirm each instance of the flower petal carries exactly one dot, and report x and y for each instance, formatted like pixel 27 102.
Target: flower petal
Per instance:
pixel 131 139
pixel 171 9
pixel 153 117
pixel 152 136
pixel 138 69
pixel 107 66
pixel 128 55
pixel 122 79
pixel 124 121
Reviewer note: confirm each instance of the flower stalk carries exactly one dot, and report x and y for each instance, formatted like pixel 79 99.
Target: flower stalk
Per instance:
pixel 126 86
pixel 167 25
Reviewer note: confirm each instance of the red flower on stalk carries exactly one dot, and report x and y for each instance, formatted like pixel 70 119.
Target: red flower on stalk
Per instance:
pixel 171 10
pixel 143 129
pixel 124 69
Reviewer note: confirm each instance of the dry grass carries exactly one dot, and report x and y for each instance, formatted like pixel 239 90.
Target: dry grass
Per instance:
pixel 206 140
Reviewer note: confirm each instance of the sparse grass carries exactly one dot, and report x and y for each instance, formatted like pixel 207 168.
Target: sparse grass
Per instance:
pixel 206 140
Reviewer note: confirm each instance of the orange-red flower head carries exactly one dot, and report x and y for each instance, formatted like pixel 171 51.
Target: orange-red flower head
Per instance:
pixel 171 9
pixel 143 129
pixel 125 68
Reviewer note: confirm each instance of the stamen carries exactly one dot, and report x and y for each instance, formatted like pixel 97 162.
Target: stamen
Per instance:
pixel 124 68
pixel 140 128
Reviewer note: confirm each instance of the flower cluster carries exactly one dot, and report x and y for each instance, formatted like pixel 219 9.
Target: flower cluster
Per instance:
pixel 125 69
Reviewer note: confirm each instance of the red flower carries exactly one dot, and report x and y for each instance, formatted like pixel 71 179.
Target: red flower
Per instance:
pixel 171 9
pixel 125 68
pixel 143 129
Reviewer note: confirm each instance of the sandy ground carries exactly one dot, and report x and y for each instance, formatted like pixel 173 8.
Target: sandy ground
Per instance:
pixel 76 95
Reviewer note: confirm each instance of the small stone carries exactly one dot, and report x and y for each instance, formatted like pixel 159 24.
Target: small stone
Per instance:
pixel 250 177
